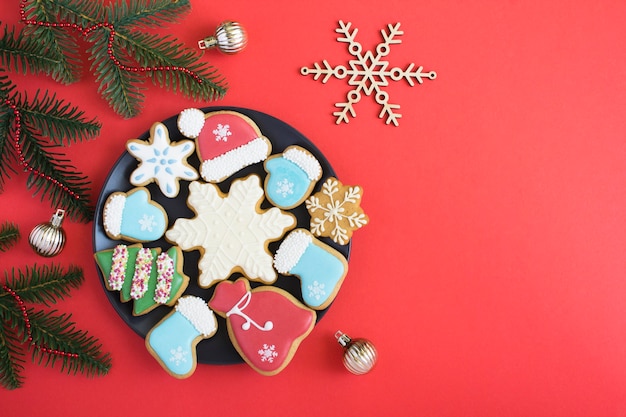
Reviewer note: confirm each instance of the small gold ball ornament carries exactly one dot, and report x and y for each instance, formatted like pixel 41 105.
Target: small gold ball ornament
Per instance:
pixel 230 38
pixel 359 356
pixel 48 239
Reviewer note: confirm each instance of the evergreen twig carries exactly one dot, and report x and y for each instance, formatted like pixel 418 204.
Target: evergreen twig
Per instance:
pixel 9 235
pixel 120 87
pixel 49 117
pixel 52 337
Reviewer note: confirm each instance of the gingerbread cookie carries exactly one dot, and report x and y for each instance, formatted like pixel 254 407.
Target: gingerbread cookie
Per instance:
pixel 321 268
pixel 335 211
pixel 172 341
pixel 134 216
pixel 265 324
pixel 161 161
pixel 291 176
pixel 146 276
pixel 226 142
pixel 231 231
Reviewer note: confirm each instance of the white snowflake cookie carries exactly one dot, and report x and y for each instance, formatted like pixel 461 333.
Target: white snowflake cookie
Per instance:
pixel 161 161
pixel 231 231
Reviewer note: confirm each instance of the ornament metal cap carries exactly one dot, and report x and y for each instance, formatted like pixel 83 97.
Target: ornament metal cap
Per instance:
pixel 230 38
pixel 48 239
pixel 359 356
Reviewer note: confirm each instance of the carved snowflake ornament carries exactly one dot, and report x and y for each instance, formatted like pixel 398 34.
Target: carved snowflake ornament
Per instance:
pixel 368 73
pixel 335 211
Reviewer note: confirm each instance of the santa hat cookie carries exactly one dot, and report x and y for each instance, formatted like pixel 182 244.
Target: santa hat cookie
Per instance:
pixel 226 142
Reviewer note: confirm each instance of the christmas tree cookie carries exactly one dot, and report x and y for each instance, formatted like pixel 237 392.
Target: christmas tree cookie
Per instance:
pixel 144 275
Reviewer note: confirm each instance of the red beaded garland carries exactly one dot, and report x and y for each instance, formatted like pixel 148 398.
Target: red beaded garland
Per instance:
pixel 87 30
pixel 43 348
pixel 20 155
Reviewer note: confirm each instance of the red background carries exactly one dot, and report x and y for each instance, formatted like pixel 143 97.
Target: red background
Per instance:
pixel 491 276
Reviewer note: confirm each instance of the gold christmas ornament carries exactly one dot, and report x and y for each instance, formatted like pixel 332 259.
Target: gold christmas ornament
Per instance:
pixel 230 38
pixel 359 356
pixel 48 239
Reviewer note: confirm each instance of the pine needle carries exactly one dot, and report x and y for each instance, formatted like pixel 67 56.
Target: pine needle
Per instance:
pixel 9 235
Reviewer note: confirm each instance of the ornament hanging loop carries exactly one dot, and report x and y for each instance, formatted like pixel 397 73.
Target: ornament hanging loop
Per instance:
pixel 230 38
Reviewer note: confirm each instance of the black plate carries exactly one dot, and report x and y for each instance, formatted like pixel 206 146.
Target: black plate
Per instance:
pixel 218 349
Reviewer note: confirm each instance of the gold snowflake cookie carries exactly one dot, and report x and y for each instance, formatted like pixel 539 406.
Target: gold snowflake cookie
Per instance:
pixel 231 231
pixel 335 211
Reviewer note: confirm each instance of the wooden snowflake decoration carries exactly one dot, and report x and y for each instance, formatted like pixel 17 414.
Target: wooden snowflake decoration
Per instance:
pixel 368 73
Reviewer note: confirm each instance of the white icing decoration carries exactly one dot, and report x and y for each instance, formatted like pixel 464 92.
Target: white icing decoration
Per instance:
pixel 146 223
pixel 113 214
pixel 230 230
pixel 222 132
pixel 305 161
pixel 290 250
pixel 162 161
pixel 284 187
pixel 225 165
pixel 268 353
pixel 178 355
pixel 238 309
pixel 191 122
pixel 143 269
pixel 198 313
pixel 317 290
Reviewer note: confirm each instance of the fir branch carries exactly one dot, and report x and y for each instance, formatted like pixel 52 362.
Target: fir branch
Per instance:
pixel 121 89
pixel 43 285
pixel 11 358
pixel 24 54
pixel 57 170
pixel 6 149
pixel 146 14
pixel 58 43
pixel 120 82
pixel 167 51
pixel 58 332
pixel 57 119
pixel 6 89
pixel 9 235
pixel 79 12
